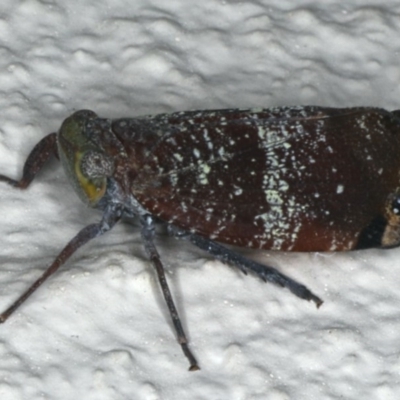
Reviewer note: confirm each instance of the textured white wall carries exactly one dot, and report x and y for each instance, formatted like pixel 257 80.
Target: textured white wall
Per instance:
pixel 99 329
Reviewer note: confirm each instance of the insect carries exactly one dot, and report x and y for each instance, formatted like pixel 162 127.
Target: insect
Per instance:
pixel 287 178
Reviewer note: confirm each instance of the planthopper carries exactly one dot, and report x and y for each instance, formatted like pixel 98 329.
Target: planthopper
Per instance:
pixel 286 178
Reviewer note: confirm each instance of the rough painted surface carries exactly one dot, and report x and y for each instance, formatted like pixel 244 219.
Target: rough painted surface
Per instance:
pixel 99 329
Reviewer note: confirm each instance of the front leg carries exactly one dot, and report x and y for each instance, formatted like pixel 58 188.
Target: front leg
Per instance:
pixel 35 161
pixel 110 217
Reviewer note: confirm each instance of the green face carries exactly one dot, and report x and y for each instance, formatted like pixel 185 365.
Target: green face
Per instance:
pixel 86 164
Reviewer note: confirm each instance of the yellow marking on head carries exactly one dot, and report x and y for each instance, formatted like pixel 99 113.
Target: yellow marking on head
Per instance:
pixel 94 189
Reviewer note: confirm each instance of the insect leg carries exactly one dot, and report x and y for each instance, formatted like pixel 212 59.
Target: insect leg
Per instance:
pixel 110 218
pixel 148 235
pixel 35 161
pixel 266 273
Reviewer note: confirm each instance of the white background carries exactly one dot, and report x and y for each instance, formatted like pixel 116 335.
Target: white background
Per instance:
pixel 99 329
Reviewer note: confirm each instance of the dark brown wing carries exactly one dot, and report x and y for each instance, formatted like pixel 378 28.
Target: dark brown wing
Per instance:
pixel 303 179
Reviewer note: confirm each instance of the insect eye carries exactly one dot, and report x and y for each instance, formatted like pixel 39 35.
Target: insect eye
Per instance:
pixel 96 165
pixel 396 206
